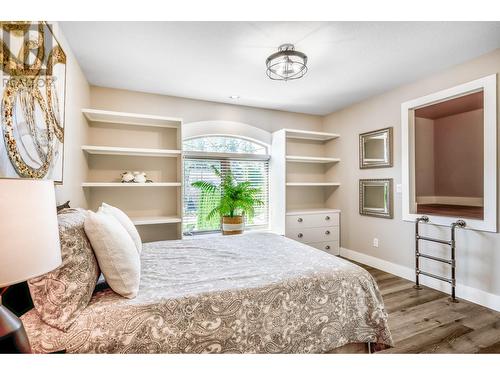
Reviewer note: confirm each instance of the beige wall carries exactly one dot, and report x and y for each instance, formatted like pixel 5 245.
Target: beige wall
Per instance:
pixel 449 155
pixel 458 150
pixel 197 110
pixel 75 129
pixel 478 252
pixel 424 157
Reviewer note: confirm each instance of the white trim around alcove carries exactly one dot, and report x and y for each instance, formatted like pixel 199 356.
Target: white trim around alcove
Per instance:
pixel 489 86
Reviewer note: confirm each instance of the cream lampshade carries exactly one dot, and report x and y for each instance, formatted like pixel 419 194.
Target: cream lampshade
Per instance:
pixel 29 236
pixel 29 246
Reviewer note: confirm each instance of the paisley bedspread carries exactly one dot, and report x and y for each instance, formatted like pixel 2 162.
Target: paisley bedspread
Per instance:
pixel 251 293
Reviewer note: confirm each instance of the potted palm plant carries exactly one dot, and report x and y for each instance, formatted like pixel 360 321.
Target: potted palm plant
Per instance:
pixel 235 201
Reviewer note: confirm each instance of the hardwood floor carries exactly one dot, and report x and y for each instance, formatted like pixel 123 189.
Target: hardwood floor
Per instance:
pixel 425 321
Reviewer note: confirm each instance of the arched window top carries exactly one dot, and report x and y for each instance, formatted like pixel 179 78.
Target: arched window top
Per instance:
pixel 224 144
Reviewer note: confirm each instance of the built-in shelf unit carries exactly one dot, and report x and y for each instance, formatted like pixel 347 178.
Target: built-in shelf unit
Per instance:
pixel 121 141
pixel 303 165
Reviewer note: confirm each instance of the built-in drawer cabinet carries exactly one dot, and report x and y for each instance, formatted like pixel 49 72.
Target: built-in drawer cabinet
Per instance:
pixel 310 235
pixel 312 220
pixel 329 247
pixel 317 229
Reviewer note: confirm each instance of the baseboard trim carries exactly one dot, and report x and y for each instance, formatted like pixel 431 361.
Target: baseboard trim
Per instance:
pixel 489 300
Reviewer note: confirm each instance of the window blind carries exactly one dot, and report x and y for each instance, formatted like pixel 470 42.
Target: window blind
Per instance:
pixel 197 205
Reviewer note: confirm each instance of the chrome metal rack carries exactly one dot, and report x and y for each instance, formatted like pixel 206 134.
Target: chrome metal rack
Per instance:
pixel 451 261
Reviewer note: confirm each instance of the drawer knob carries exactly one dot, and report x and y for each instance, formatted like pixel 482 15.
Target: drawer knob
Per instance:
pixel 300 220
pixel 327 247
pixel 327 218
pixel 300 235
pixel 327 232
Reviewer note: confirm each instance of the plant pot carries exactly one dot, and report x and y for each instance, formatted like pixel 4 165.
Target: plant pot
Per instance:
pixel 232 225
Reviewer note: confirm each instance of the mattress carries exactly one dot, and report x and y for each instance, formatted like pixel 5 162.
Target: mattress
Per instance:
pixel 251 293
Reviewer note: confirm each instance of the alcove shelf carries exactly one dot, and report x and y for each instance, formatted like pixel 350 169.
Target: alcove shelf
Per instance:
pixel 152 220
pixel 123 141
pixel 129 184
pixel 130 151
pixel 310 211
pixel 310 159
pixel 133 119
pixel 312 184
pixel 309 135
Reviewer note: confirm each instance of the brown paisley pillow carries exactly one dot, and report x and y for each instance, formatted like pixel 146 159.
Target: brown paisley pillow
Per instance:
pixel 60 295
pixel 63 206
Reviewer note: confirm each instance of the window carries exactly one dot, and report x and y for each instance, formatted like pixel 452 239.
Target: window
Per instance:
pixel 246 160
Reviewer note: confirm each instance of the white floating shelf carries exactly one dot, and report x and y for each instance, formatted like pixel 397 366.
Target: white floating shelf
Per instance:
pixel 310 135
pixel 127 151
pixel 306 211
pixel 311 159
pixel 313 184
pixel 152 220
pixel 131 184
pixel 125 118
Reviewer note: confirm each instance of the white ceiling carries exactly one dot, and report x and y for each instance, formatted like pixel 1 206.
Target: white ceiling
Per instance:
pixel 348 61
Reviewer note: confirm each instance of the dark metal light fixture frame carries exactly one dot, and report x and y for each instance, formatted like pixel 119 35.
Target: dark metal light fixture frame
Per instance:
pixel 286 55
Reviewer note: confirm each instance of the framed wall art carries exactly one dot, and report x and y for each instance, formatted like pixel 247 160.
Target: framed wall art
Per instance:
pixel 33 85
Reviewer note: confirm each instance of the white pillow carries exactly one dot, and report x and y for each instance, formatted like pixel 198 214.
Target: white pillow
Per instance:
pixel 125 221
pixel 115 252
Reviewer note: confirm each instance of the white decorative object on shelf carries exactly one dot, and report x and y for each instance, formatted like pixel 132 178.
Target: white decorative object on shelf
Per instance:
pixel 135 177
pixel 140 177
pixel 127 177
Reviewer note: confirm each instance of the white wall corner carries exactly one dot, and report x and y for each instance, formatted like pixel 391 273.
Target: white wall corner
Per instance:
pixel 480 297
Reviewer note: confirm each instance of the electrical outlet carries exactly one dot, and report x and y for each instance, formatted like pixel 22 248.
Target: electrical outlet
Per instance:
pixel 375 242
pixel 399 188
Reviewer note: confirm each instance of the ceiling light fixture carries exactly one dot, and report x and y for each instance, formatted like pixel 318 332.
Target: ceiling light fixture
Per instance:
pixel 234 97
pixel 286 64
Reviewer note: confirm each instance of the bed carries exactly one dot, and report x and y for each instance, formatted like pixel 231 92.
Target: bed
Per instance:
pixel 251 293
